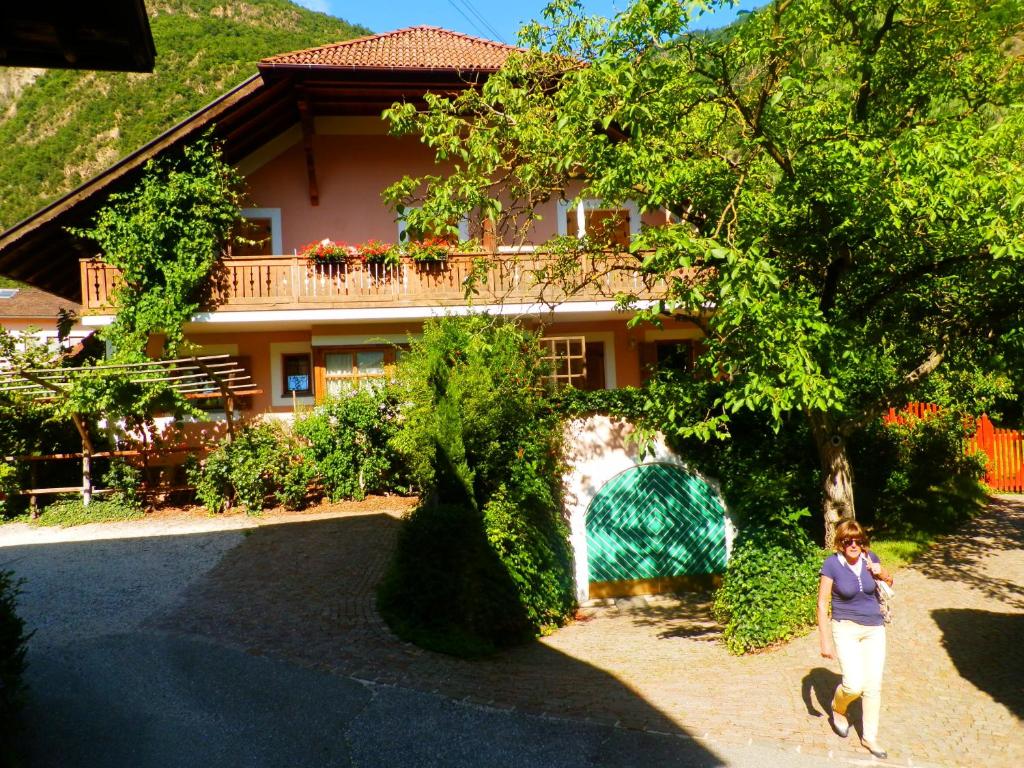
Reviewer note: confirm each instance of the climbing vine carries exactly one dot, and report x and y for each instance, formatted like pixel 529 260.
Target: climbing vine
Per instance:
pixel 164 235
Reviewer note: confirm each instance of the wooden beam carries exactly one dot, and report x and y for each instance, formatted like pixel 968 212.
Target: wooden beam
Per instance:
pixel 308 132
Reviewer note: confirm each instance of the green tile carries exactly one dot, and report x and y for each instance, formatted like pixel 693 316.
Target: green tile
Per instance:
pixel 655 520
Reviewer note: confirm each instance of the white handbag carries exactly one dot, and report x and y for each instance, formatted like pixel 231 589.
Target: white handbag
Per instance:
pixel 886 599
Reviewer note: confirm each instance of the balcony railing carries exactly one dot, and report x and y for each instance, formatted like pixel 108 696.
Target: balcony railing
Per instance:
pixel 291 282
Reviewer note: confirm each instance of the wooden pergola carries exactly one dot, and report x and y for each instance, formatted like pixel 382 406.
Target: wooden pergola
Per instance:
pixel 191 377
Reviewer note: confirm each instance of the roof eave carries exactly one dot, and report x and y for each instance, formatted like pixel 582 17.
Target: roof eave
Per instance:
pixel 191 124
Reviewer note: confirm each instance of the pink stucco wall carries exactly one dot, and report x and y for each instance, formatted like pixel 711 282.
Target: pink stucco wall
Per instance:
pixel 352 171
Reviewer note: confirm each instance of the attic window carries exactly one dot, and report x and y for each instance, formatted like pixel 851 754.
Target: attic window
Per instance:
pixel 8 293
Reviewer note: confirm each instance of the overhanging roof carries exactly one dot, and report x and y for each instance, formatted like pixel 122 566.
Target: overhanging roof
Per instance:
pixel 39 250
pixel 99 34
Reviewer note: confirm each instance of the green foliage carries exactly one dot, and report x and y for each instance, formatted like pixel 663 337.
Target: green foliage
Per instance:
pixel 770 588
pixel 915 478
pixel 13 646
pixel 65 125
pixel 8 484
pixel 847 183
pixel 483 562
pixel 70 511
pixel 446 588
pixel 348 439
pixel 624 402
pixel 531 547
pixel 126 481
pixel 165 235
pixel 264 462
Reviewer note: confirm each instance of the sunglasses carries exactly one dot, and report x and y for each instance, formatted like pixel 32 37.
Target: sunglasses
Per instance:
pixel 850 542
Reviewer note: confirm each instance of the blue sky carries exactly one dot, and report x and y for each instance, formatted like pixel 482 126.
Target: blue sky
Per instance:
pixel 483 18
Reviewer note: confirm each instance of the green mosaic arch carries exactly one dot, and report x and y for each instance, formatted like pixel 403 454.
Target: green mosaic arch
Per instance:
pixel 654 521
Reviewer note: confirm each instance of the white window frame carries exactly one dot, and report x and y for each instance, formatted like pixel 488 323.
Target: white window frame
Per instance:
pixel 605 338
pixel 274 214
pixel 592 204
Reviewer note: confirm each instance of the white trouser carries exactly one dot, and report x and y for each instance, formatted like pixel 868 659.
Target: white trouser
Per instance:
pixel 861 654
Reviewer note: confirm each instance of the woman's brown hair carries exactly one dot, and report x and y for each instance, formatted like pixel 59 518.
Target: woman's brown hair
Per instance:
pixel 850 529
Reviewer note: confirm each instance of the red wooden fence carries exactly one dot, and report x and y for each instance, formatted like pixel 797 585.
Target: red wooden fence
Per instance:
pixel 1004 470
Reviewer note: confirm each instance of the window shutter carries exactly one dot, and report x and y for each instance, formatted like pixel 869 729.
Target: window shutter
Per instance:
pixel 648 360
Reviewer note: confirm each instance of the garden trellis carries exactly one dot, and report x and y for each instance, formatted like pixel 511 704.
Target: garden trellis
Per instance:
pixel 191 377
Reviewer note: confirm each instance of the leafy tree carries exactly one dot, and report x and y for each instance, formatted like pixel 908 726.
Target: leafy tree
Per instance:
pixel 847 180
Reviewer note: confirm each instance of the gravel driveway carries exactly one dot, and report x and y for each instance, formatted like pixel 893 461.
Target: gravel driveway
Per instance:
pixel 230 641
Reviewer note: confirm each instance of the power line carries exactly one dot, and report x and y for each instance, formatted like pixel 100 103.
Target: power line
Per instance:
pixel 469 5
pixel 468 20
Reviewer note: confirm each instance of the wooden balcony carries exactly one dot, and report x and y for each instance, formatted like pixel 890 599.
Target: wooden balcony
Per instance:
pixel 291 282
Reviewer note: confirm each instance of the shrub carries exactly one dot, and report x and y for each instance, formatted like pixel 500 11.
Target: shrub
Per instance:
pixel 126 481
pixel 263 462
pixel 67 512
pixel 530 543
pixel 8 484
pixel 447 590
pixel 916 477
pixel 13 646
pixel 769 591
pixel 624 402
pixel 483 562
pixel 348 439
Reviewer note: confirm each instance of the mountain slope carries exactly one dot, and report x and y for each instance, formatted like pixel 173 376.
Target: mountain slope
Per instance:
pixel 59 128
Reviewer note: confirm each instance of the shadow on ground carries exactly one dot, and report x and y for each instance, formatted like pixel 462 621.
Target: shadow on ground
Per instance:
pixel 689 616
pixel 288 596
pixel 987 650
pixel 957 557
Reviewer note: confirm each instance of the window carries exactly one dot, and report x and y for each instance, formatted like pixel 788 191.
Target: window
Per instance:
pixel 261 229
pixel 674 355
pixel 666 355
pixel 609 225
pixel 297 375
pixel 615 224
pixel 253 237
pixel 345 369
pixel 566 357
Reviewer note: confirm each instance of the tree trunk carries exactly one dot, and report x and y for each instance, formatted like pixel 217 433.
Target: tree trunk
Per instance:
pixel 837 475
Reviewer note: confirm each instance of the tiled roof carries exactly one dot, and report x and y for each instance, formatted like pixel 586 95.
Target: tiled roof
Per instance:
pixel 421 48
pixel 33 303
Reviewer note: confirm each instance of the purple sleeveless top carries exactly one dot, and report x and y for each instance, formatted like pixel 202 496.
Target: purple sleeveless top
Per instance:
pixel 853 600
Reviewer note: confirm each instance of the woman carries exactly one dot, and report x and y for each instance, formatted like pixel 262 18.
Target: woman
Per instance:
pixel 856 636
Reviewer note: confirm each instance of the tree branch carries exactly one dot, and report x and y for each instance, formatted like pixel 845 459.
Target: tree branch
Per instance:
pixel 909 381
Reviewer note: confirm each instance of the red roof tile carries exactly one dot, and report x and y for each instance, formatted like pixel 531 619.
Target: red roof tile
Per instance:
pixel 413 48
pixel 33 303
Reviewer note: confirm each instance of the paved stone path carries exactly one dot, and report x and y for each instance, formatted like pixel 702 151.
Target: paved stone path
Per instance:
pixel 954 692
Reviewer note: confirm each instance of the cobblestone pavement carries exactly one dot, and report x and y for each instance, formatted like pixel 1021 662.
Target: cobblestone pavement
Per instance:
pixel 953 693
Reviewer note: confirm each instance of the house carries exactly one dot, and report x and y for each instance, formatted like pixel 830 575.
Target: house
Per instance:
pixel 27 310
pixel 306 134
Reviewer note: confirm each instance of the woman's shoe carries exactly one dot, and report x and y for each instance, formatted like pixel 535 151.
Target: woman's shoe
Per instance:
pixel 875 750
pixel 839 724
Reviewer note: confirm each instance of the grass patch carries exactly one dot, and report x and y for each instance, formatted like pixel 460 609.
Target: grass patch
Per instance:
pixel 898 552
pixel 69 512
